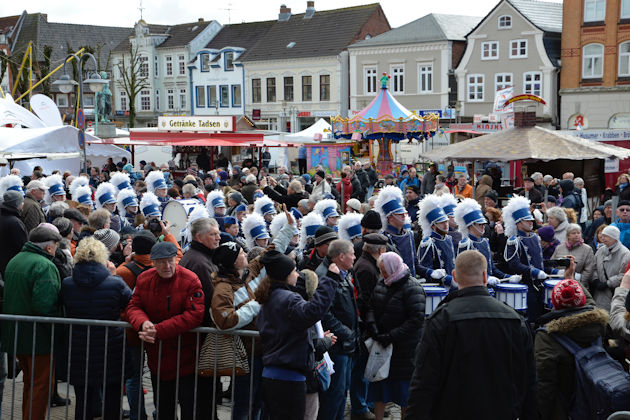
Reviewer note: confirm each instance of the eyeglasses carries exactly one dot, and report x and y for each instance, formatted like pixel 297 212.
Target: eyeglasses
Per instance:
pixel 624 210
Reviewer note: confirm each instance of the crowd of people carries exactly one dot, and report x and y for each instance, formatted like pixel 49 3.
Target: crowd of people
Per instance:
pixel 315 266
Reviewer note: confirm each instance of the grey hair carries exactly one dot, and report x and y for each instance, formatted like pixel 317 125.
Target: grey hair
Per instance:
pixel 43 245
pixel 56 209
pixel 547 178
pixel 188 188
pixel 578 181
pixel 572 227
pixel 537 175
pixel 251 178
pixel 296 186
pixel 313 198
pixel 338 247
pixel 99 218
pixel 303 203
pixel 202 225
pixel 372 248
pixel 558 213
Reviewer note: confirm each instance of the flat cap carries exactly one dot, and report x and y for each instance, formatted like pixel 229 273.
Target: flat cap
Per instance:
pixel 76 215
pixel 36 185
pixel 43 233
pixel 325 234
pixel 163 250
pixel 375 239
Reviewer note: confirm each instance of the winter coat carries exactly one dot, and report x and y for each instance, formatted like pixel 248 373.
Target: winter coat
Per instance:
pixel 474 342
pixel 466 191
pixel 618 322
pixel 364 179
pixel 31 287
pixel 248 191
pixel 624 230
pixel 407 181
pixel 143 263
pixel 372 176
pixel 554 364
pixel 13 233
pixel 198 259
pixel 428 183
pixel 285 322
pixel 367 274
pixel 63 259
pixel 485 185
pixel 347 189
pixel 570 198
pixel 534 195
pixel 584 260
pixel 560 233
pixel 93 293
pixel 342 318
pixel 610 265
pixel 399 313
pixel 321 189
pixel 175 306
pixel 357 189
pixel 32 213
pixel 279 194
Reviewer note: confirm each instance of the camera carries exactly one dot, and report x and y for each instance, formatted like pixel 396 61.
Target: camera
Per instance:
pixel 155 227
pixel 558 262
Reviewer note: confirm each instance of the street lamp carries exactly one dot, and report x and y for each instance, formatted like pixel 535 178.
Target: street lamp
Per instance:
pixel 95 82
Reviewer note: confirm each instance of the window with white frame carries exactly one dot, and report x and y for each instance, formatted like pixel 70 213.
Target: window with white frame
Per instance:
pixel 182 64
pixel 236 95
pixel 370 79
pixel 425 78
pixel 624 59
pixel 205 62
pixel 182 99
pixel 224 96
pixel 169 65
pixel 307 88
pixel 518 48
pixel 505 22
pixel 324 87
pixel 398 76
pixel 212 96
pixel 170 98
pixel 532 83
pixel 594 10
pixel 475 87
pixel 123 100
pixel 592 61
pixel 62 100
pixel 157 100
pixel 502 81
pixel 156 67
pixel 144 66
pixel 256 91
pixel 200 96
pixel 490 50
pixel 228 58
pixel 625 9
pixel 145 100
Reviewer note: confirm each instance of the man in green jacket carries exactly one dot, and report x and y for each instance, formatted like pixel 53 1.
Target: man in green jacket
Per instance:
pixel 31 287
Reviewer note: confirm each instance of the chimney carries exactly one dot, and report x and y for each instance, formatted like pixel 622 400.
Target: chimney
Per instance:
pixel 200 20
pixel 285 13
pixel 524 119
pixel 310 9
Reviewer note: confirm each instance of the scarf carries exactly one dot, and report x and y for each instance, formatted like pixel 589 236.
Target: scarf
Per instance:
pixel 394 266
pixel 570 247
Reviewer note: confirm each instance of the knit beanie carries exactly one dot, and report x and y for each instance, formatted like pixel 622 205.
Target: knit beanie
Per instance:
pixel 226 254
pixel 612 232
pixel 109 238
pixel 372 220
pixel 12 199
pixel 142 242
pixel 278 265
pixel 568 294
pixel 546 233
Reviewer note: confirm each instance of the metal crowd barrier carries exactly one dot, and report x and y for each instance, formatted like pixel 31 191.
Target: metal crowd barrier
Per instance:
pixel 93 323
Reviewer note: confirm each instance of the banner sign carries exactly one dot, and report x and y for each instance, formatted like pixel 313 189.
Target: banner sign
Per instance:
pixel 210 123
pixel 525 98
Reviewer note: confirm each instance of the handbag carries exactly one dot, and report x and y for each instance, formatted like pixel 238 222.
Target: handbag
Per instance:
pixel 377 367
pixel 322 373
pixel 222 355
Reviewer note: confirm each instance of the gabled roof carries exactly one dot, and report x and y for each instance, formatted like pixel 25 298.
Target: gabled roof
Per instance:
pixel 326 34
pixel 430 28
pixel 7 23
pixel 60 36
pixel 181 35
pixel 544 15
pixel 123 46
pixel 242 35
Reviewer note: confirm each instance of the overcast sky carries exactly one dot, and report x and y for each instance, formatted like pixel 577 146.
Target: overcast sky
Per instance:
pixel 126 12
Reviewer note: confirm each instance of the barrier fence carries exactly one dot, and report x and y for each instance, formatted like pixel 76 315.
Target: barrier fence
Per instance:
pixel 60 345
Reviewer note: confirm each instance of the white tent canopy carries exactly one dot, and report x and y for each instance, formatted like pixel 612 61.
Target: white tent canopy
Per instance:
pixel 304 136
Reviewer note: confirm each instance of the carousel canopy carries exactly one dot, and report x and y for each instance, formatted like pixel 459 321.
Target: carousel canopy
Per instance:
pixel 531 143
pixel 384 117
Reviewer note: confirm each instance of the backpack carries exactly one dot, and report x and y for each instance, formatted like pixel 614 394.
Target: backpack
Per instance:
pixel 602 386
pixel 136 268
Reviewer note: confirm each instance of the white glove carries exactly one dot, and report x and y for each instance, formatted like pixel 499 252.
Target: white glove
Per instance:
pixel 516 278
pixel 492 281
pixel 438 274
pixel 578 276
pixel 561 272
pixel 542 275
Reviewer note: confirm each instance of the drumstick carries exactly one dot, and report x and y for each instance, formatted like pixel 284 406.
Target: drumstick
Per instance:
pixel 430 284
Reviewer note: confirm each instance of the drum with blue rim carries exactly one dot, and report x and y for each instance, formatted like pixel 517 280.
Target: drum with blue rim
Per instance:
pixel 549 285
pixel 176 212
pixel 514 295
pixel 435 294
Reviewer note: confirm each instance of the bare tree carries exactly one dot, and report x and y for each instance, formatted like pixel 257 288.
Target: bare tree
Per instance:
pixel 133 79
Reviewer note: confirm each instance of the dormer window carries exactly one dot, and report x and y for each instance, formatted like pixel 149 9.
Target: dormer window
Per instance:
pixel 505 22
pixel 228 59
pixel 205 62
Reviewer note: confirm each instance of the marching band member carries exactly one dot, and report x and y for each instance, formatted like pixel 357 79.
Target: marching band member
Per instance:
pixel 327 208
pixel 389 204
pixel 11 183
pixel 264 207
pixel 121 181
pixel 309 226
pixel 105 197
pixel 471 222
pixel 198 212
pixel 278 223
pixel 448 204
pixel 81 192
pixel 233 228
pixel 127 204
pixel 436 255
pixel 523 253
pixel 350 227
pixel 157 185
pixel 56 190
pixel 255 229
pixel 215 203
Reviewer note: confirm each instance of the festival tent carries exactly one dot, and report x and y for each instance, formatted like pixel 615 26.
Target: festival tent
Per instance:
pixel 526 143
pixel 307 135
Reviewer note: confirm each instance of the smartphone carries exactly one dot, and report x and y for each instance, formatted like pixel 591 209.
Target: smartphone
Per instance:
pixel 558 262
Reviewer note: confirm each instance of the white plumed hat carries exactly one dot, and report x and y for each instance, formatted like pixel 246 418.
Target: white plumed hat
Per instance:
pixel 430 212
pixel 214 199
pixel 517 209
pixel 350 226
pixel 467 212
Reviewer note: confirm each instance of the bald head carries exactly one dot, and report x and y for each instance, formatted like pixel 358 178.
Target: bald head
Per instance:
pixel 470 269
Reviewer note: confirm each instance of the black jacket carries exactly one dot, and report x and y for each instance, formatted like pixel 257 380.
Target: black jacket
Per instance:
pixel 279 194
pixel 198 259
pixel 92 293
pixel 342 318
pixel 367 274
pixel 357 189
pixel 399 313
pixel 475 361
pixel 364 178
pixel 13 234
pixel 372 176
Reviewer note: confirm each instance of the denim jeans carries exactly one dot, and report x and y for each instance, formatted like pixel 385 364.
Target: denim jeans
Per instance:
pixel 240 408
pixel 370 191
pixel 332 403
pixel 359 385
pixel 135 393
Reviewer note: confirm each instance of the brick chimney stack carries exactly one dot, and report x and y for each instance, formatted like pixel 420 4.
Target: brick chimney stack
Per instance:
pixel 310 9
pixel 285 13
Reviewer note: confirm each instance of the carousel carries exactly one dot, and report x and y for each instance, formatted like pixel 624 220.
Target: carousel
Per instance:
pixel 384 122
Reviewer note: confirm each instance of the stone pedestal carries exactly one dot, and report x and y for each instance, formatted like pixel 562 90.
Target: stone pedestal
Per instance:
pixel 105 130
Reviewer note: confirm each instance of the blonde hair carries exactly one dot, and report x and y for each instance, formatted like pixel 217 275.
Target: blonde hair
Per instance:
pixel 91 249
pixel 571 214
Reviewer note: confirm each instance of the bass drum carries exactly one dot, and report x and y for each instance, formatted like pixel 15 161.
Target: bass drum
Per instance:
pixel 176 212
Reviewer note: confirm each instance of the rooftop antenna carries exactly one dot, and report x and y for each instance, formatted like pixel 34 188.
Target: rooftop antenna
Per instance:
pixel 229 10
pixel 141 9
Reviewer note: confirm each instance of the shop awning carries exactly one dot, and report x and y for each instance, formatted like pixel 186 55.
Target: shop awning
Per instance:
pixel 144 137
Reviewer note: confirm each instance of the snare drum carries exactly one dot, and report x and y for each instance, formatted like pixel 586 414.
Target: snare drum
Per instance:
pixel 176 212
pixel 435 294
pixel 514 295
pixel 549 285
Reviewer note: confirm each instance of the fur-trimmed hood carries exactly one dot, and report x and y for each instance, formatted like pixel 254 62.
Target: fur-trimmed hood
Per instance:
pixel 566 324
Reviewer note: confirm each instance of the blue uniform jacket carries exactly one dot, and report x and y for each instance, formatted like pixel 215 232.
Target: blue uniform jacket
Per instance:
pixel 436 252
pixel 482 245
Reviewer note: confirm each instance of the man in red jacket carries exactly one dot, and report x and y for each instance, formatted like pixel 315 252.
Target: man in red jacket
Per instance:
pixel 167 302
